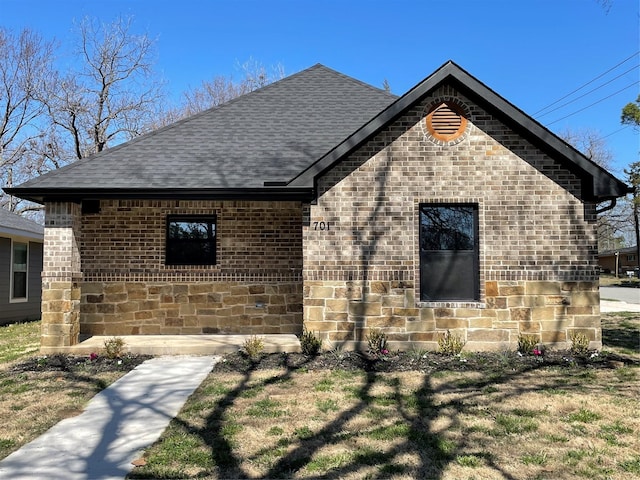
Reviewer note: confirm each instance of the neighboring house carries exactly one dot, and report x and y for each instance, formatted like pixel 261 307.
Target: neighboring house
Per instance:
pixel 21 242
pixel 323 202
pixel 625 259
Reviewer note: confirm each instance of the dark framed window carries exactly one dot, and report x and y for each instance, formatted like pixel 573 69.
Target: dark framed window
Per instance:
pixel 449 253
pixel 191 240
pixel 19 269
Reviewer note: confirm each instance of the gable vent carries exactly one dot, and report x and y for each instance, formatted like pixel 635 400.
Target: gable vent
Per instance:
pixel 446 121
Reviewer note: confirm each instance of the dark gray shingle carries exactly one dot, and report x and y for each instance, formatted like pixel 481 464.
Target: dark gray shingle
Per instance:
pixel 270 134
pixel 14 224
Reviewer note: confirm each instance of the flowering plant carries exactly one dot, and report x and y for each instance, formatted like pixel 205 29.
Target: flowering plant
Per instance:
pixel 93 356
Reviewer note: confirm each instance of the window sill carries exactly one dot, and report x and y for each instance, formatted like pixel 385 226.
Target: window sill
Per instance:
pixel 18 300
pixel 452 304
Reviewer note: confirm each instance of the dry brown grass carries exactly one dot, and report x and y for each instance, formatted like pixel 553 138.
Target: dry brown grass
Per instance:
pixel 548 423
pixel 32 402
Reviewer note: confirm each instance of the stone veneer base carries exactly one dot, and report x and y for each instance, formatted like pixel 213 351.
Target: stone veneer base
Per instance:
pixel 176 308
pixel 344 312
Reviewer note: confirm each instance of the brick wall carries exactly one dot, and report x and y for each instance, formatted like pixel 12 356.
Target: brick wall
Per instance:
pixel 126 288
pixel 61 276
pixel 534 233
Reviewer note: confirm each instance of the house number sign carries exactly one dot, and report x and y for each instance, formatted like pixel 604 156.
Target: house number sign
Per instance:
pixel 322 226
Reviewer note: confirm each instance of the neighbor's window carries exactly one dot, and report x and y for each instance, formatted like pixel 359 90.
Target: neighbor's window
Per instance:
pixel 191 240
pixel 449 252
pixel 19 255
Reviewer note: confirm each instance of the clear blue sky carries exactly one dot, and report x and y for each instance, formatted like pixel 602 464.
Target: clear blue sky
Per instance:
pixel 532 52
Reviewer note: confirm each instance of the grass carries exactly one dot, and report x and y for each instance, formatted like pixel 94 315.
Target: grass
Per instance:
pixel 19 340
pixel 544 423
pixel 32 402
pixel 559 423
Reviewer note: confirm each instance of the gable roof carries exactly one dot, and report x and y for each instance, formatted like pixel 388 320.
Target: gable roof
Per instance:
pixel 268 135
pixel 274 142
pixel 598 184
pixel 14 225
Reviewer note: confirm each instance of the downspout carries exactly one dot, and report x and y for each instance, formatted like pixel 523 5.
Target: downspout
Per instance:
pixel 607 207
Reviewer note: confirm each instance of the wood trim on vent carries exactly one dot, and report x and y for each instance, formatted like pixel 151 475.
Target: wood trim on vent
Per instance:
pixel 446 121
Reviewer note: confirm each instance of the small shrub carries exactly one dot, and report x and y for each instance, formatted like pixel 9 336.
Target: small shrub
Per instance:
pixel 450 344
pixel 254 346
pixel 114 347
pixel 579 343
pixel 310 344
pixel 377 341
pixel 526 343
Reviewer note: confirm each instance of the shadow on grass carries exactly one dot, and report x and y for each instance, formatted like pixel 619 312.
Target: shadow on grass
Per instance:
pixel 414 435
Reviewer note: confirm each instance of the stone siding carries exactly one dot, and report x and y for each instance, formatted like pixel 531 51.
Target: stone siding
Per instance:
pixel 205 307
pixel 343 313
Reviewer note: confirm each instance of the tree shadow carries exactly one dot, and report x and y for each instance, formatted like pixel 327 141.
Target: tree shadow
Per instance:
pixel 422 436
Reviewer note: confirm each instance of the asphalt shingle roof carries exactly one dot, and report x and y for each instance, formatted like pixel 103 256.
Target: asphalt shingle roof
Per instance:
pixel 14 224
pixel 270 135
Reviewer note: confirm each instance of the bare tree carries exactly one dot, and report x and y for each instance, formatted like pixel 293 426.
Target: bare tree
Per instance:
pixel 112 94
pixel 25 61
pixel 614 225
pixel 220 89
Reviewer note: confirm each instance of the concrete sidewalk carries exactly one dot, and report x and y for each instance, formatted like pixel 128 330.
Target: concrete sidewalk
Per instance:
pixel 609 306
pixel 116 426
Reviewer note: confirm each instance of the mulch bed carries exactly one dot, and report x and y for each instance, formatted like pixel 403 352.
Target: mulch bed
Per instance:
pixel 426 363
pixel 346 360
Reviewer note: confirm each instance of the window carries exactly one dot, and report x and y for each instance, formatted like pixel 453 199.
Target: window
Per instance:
pixel 19 255
pixel 449 252
pixel 191 240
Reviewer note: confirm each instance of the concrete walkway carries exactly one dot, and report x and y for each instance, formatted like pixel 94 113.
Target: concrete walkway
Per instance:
pixel 116 426
pixel 608 306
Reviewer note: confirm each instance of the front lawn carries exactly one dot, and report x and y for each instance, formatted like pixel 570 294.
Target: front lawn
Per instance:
pixel 475 416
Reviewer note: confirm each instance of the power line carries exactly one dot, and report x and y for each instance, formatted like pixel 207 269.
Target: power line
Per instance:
pixel 587 93
pixel 588 83
pixel 595 103
pixel 616 131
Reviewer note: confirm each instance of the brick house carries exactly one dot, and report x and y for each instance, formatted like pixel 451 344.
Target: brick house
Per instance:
pixel 624 259
pixel 325 202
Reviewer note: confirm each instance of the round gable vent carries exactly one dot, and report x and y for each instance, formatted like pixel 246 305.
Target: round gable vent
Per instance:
pixel 446 121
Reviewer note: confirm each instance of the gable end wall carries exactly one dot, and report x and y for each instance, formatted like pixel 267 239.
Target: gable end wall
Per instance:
pixel 537 239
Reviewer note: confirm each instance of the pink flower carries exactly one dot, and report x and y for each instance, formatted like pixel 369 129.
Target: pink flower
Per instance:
pixel 93 356
pixel 384 351
pixel 537 352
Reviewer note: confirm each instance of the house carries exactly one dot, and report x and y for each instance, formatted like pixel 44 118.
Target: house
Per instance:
pixel 322 202
pixel 21 244
pixel 623 259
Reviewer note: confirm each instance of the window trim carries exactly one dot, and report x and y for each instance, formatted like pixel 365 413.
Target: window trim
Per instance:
pixel 476 301
pixel 210 219
pixel 12 298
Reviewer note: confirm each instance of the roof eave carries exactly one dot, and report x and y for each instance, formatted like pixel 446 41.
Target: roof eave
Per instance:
pixel 598 184
pixel 44 195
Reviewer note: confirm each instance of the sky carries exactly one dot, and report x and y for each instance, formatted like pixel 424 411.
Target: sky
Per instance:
pixel 532 52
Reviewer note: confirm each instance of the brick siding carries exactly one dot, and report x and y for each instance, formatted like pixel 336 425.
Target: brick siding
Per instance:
pixel 534 231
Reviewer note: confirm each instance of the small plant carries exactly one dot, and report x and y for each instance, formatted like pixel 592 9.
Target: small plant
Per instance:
pixel 254 346
pixel 310 344
pixel 450 344
pixel 377 341
pixel 579 343
pixel 113 347
pixel 526 344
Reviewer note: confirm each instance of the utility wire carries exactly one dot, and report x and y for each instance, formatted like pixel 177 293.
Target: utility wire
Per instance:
pixel 588 83
pixel 595 103
pixel 616 131
pixel 587 93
